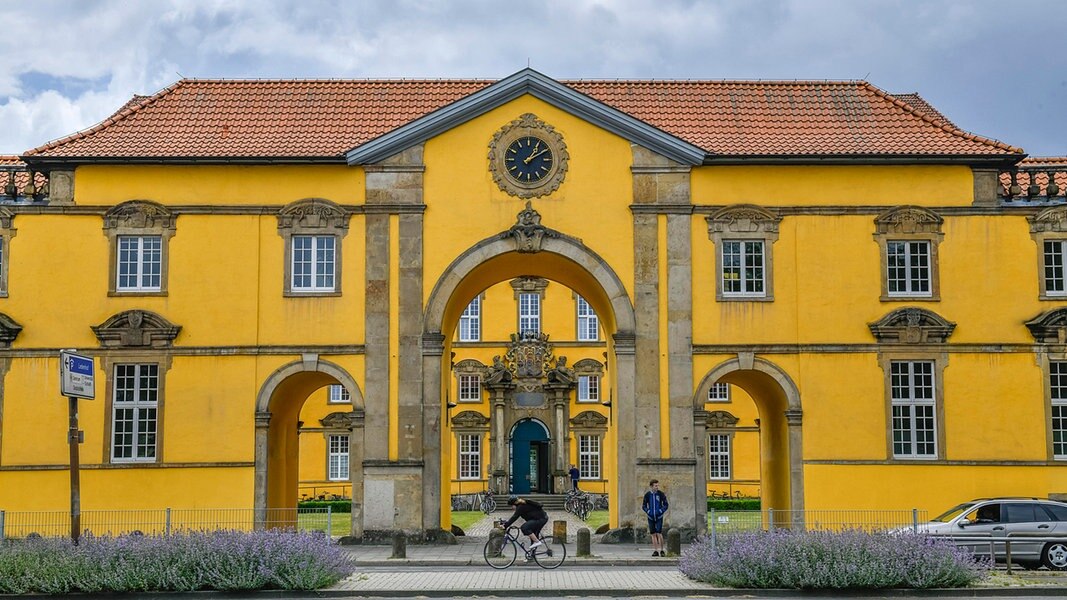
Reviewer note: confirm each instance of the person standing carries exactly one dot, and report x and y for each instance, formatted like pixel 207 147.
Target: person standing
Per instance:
pixel 575 474
pixel 654 505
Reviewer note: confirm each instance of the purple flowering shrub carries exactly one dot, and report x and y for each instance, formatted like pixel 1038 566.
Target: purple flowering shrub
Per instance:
pixel 831 560
pixel 223 560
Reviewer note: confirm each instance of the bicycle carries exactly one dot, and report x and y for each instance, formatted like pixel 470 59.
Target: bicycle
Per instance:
pixel 500 551
pixel 578 504
pixel 487 502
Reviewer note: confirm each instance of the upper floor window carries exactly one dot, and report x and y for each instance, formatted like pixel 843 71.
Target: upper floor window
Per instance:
pixel 719 392
pixel 337 460
pixel 139 233
pixel 589 456
pixel 7 231
pixel 314 260
pixel 313 230
pixel 1048 229
pixel 470 388
pixel 1053 280
pixel 470 322
pixel 338 395
pixel 744 235
pixel 718 456
pixel 908 239
pixel 135 406
pixel 530 313
pixel 588 324
pixel 588 388
pixel 908 265
pixel 914 404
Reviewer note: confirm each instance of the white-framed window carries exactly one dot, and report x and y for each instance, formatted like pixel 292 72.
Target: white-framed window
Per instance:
pixel 588 388
pixel 719 392
pixel 338 395
pixel 718 456
pixel 470 322
pixel 588 323
pixel 743 271
pixel 470 388
pixel 913 397
pixel 139 263
pixel 589 456
pixel 338 458
pixel 1058 391
pixel 530 313
pixel 313 263
pixel 1055 250
pixel 470 456
pixel 135 406
pixel 908 263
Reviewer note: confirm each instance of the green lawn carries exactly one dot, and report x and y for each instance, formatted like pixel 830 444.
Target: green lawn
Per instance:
pixel 340 523
pixel 465 518
pixel 596 519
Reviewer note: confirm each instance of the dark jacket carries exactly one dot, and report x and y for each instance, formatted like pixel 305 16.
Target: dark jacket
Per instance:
pixel 575 474
pixel 654 504
pixel 529 511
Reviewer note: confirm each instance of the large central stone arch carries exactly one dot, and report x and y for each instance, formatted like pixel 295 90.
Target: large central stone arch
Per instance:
pixel 539 251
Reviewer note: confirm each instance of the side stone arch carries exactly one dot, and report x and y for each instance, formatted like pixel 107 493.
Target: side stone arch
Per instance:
pixel 266 430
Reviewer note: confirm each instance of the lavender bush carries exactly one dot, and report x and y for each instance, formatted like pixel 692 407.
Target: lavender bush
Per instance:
pixel 828 560
pixel 223 560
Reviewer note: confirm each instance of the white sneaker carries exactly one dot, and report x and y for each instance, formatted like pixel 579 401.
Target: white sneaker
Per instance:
pixel 536 544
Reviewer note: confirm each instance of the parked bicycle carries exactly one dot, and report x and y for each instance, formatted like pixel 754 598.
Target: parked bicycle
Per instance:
pixel 501 551
pixel 487 502
pixel 578 503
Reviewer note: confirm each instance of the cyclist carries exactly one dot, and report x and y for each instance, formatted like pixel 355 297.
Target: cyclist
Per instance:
pixel 533 515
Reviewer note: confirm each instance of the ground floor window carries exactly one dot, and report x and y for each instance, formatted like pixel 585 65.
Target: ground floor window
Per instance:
pixel 135 405
pixel 718 456
pixel 589 456
pixel 470 456
pixel 1058 392
pixel 913 404
pixel 338 459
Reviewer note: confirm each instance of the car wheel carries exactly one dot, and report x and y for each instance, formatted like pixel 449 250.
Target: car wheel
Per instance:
pixel 1054 556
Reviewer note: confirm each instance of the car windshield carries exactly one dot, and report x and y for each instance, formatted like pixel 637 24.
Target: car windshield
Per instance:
pixel 953 512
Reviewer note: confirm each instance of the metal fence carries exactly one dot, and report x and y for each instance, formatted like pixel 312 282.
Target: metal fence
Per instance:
pixel 727 522
pixel 164 521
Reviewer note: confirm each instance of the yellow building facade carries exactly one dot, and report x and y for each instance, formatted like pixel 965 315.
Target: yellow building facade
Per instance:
pixel 886 314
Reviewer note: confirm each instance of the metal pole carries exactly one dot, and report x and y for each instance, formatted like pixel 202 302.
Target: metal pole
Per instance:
pixel 1 525
pixel 915 520
pixel 75 467
pixel 770 519
pixel 711 517
pixel 329 520
pixel 168 521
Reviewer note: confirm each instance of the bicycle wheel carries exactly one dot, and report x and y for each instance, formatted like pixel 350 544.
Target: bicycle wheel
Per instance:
pixel 499 552
pixel 489 505
pixel 551 554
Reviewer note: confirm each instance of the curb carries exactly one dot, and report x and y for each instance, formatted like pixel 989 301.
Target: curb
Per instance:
pixel 478 562
pixel 1036 591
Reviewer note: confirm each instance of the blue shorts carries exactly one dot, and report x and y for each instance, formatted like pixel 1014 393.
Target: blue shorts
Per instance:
pixel 655 525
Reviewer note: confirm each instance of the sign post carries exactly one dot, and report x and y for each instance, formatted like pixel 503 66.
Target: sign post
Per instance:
pixel 76 380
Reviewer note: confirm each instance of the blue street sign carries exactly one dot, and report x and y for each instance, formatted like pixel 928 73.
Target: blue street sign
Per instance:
pixel 76 375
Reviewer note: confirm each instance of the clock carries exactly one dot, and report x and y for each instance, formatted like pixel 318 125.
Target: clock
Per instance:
pixel 528 158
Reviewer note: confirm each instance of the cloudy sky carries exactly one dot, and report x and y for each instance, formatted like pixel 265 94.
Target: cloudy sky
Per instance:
pixel 994 67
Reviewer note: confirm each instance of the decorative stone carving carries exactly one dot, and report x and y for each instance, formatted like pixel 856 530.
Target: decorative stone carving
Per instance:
pixel 1050 327
pixel 588 419
pixel 908 220
pixel 528 231
pixel 6 216
pixel 498 374
pixel 470 419
pixel 1050 220
pixel 312 213
pixel 343 420
pixel 528 125
pixel 561 374
pixel 140 215
pixel 136 329
pixel 912 325
pixel 743 218
pixel 588 366
pixel 9 330
pixel 720 419
pixel 529 355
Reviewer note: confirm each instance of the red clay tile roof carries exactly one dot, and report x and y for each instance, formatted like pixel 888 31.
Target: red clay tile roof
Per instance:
pixel 924 108
pixel 1038 168
pixel 314 119
pixel 13 164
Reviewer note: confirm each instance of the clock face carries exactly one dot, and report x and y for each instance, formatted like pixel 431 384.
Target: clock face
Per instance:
pixel 528 159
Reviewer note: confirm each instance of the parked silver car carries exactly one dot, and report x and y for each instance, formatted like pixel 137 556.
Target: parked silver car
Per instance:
pixel 969 522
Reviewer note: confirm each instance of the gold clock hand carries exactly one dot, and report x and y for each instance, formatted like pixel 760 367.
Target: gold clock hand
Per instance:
pixel 533 156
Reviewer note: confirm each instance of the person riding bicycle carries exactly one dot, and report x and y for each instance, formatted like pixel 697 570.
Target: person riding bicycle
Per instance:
pixel 533 515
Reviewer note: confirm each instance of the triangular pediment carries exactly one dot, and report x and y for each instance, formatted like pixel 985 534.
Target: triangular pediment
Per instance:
pixel 546 89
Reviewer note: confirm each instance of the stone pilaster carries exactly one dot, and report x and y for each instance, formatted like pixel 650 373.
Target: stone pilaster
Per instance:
pixel 627 486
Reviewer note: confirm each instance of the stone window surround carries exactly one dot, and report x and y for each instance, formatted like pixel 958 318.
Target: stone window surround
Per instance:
pixel 1045 359
pixel 727 400
pixel 469 366
pixel 578 300
pixel 470 422
pixel 590 423
pixel 108 362
pixel 7 231
pixel 719 422
pixel 138 218
pixel 909 223
pixel 346 435
pixel 314 217
pixel 481 308
pixel 1050 334
pixel 459 455
pixel 589 366
pixel 529 285
pixel 940 361
pixel 1048 225
pixel 729 454
pixel 744 222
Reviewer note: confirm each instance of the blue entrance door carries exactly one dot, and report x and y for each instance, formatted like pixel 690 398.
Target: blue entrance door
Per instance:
pixel 529 457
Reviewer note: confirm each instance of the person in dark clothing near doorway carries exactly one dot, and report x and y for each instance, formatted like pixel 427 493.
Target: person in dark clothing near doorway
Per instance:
pixel 533 515
pixel 654 505
pixel 575 474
